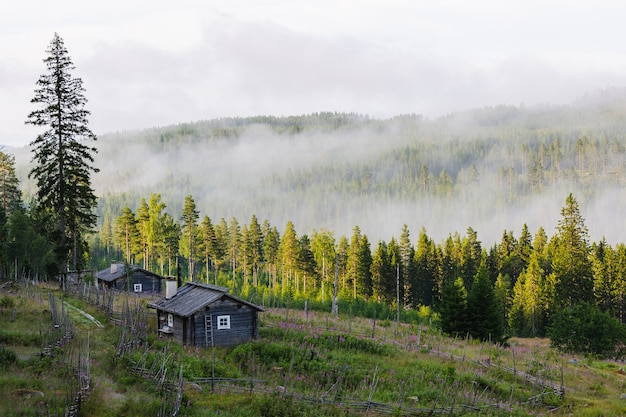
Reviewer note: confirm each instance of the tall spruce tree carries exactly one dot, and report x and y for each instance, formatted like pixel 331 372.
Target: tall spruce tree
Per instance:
pixel 63 162
pixel 453 308
pixel 254 246
pixel 288 258
pixel 126 235
pixel 485 321
pixel 423 286
pixel 571 264
pixel 382 278
pixel 352 266
pixel 323 246
pixel 189 238
pixel 365 264
pixel 209 244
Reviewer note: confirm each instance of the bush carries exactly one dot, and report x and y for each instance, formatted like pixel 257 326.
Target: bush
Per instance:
pixel 585 329
pixel 277 405
pixel 7 302
pixel 7 357
pixel 269 354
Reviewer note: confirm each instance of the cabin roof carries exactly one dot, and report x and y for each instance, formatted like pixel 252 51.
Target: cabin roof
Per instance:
pixel 118 270
pixel 193 297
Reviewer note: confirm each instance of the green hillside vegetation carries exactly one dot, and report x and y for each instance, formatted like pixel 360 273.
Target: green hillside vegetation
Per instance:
pixel 323 170
pixel 428 257
pixel 304 364
pixel 305 170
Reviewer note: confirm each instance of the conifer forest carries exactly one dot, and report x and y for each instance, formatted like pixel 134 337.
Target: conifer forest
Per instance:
pixel 283 207
pixel 472 263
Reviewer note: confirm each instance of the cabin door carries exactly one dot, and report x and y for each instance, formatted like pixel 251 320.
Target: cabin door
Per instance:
pixel 208 330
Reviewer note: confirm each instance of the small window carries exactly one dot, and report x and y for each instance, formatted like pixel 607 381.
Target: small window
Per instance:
pixel 170 320
pixel 223 322
pixel 137 287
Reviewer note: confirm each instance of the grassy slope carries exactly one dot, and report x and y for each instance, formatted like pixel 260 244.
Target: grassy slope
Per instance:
pixel 300 359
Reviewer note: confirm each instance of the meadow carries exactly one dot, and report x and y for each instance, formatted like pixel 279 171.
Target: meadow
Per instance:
pixel 304 363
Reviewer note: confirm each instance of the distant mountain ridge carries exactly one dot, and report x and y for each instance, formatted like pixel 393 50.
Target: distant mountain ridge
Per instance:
pixel 491 169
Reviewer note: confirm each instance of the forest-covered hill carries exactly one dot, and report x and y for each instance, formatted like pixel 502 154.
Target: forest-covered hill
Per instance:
pixel 492 169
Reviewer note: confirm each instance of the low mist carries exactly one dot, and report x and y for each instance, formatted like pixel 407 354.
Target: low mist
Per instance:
pixel 356 174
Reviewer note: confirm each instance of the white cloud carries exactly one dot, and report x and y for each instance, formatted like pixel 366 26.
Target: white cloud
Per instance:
pixel 152 63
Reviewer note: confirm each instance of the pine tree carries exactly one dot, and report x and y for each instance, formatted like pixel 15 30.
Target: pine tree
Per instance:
pixel 126 234
pixel 209 244
pixel 381 274
pixel 254 246
pixel 517 320
pixel 482 310
pixel 407 268
pixel 306 263
pixel 234 245
pixel 535 300
pixel 171 241
pixel 10 194
pixel 502 294
pixel 189 241
pixel 619 285
pixel 271 239
pixel 352 265
pixel 221 246
pixel 470 257
pixel 602 259
pixel 571 264
pixel 106 238
pixel 156 229
pixel 25 248
pixel 365 264
pixel 323 246
pixel 394 289
pixel 453 308
pixel 288 255
pixel 143 221
pixel 423 286
pixel 63 161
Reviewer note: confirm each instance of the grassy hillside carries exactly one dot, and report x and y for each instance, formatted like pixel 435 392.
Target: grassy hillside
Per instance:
pixel 304 363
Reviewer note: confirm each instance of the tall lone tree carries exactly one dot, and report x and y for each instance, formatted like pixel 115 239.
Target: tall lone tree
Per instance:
pixel 63 162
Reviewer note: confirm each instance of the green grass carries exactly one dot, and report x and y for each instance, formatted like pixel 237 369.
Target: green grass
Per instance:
pixel 314 357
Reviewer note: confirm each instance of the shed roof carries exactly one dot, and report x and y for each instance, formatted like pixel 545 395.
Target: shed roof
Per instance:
pixel 193 297
pixel 117 270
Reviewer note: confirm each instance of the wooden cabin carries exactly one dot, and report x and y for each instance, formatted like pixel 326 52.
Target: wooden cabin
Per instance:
pixel 205 315
pixel 134 279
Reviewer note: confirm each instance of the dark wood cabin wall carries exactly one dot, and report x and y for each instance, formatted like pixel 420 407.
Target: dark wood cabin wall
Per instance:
pixel 242 325
pixel 148 283
pixel 179 327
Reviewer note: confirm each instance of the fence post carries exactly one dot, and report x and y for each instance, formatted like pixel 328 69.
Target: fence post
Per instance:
pixel 374 326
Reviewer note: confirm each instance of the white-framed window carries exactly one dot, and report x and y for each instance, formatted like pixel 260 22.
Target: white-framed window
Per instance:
pixel 137 287
pixel 223 322
pixel 170 320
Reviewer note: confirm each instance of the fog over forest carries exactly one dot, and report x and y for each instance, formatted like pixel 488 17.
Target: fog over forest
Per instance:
pixel 336 171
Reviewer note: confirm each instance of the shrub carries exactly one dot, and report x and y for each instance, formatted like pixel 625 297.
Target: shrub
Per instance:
pixel 7 302
pixel 7 357
pixel 277 405
pixel 585 329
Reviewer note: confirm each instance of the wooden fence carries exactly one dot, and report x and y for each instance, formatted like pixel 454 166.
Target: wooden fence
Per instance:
pixel 131 316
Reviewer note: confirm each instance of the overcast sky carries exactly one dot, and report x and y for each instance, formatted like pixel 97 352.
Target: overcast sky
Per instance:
pixel 155 63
